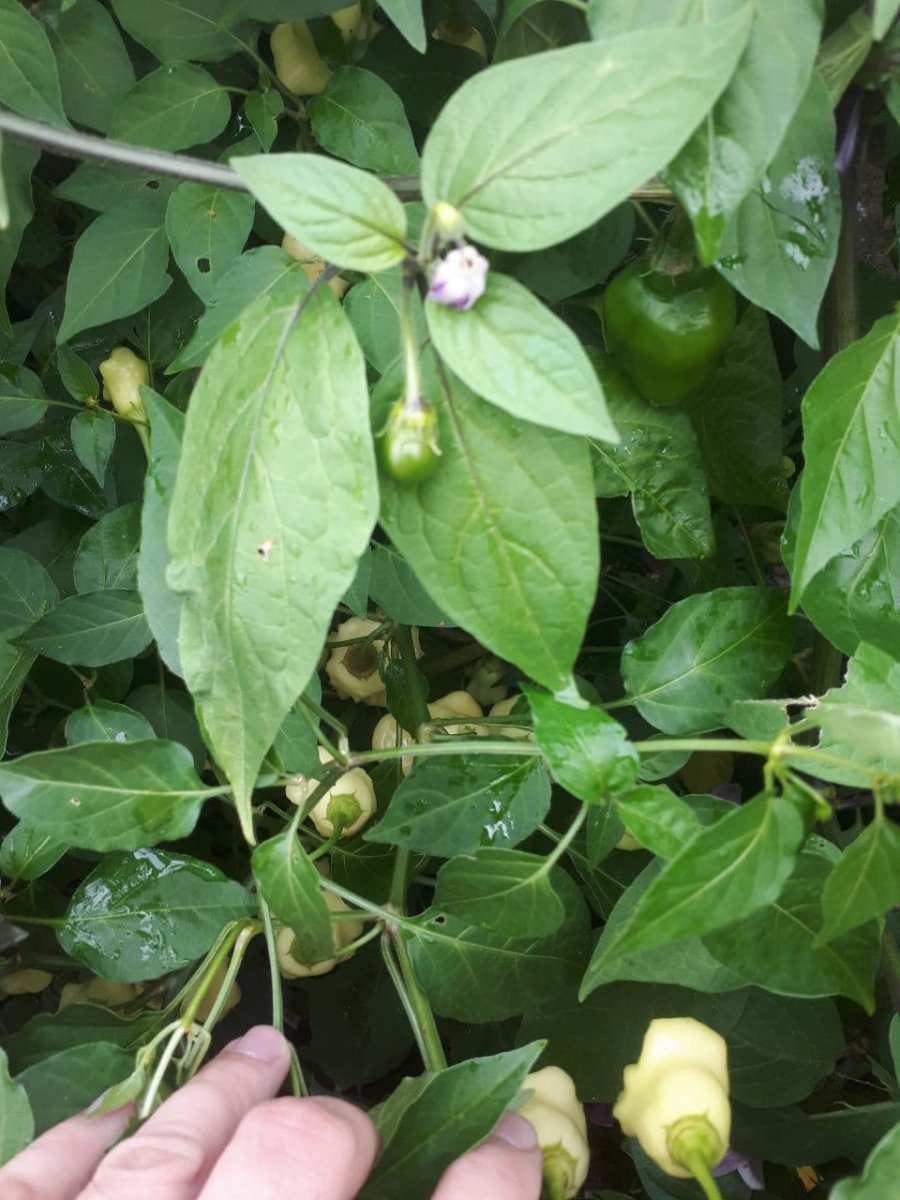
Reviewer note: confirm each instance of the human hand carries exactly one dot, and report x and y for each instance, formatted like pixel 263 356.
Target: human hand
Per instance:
pixel 223 1137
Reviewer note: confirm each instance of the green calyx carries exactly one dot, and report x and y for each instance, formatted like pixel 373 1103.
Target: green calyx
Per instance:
pixel 559 1173
pixel 343 809
pixel 695 1143
pixel 408 446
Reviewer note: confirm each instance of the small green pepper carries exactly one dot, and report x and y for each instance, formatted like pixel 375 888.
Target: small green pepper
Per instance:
pixel 408 447
pixel 667 331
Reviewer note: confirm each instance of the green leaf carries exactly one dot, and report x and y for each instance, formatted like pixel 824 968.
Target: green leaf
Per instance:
pixel 884 13
pixel 579 263
pixel 658 462
pixel 589 752
pixel 295 745
pixel 118 267
pixel 852 428
pixel 865 883
pixel 705 652
pixel 95 71
pixel 507 891
pixel 658 818
pixel 171 714
pixel 27 854
pixel 780 247
pixel 91 630
pixel 292 887
pixel 344 215
pixel 262 110
pixel 16 210
pixel 451 806
pixel 162 607
pixel 93 436
pixel 26 591
pixel 22 401
pixel 77 377
pixel 66 1083
pixel 396 588
pixel 517 565
pixel 407 16
pixel 428 1122
pixel 726 156
pixel 361 119
pixel 29 83
pixel 172 108
pixel 106 795
pixel 207 229
pixel 76 1025
pixel 284 386
pixel 474 975
pixel 516 354
pixel 373 307
pixel 880 1174
pixel 535 150
pixel 107 722
pixel 107 554
pixel 138 916
pixel 15 663
pixel 776 947
pixel 16 1117
pixel 726 872
pixel 175 30
pixel 858 720
pixel 789 1135
pixel 843 53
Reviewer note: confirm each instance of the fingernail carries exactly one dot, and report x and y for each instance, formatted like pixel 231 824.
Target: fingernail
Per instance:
pixel 262 1042
pixel 515 1131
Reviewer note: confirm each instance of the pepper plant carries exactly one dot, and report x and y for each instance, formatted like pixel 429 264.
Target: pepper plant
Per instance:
pixel 350 361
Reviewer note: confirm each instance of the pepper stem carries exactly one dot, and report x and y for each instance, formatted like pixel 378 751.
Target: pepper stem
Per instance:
pixel 698 1168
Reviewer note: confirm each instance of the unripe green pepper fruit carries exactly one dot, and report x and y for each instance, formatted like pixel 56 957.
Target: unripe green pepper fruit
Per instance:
pixel 667 332
pixel 408 446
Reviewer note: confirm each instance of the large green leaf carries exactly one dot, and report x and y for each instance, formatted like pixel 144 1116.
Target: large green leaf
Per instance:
pixel 118 267
pixel 15 663
pixel 176 30
pixel 91 630
pixel 517 565
pixel 29 83
pixel 95 71
pixel 289 883
pixel 27 854
pixel 138 916
pixel 507 891
pixel 883 16
pixel 705 652
pixel 26 591
pixel 67 1082
pixel 789 1135
pixel 724 873
pixel 588 751
pixel 726 156
pixel 207 228
pixel 342 214
pixel 535 150
pixel 22 402
pixel 172 108
pixel 430 1121
pixel 276 452
pixel 779 248
pixel 515 353
pixel 859 720
pixel 107 554
pixel 865 883
pixel 106 795
pixel 451 806
pixel 360 118
pixel 16 1117
pixel 407 16
pixel 880 1175
pixel 852 430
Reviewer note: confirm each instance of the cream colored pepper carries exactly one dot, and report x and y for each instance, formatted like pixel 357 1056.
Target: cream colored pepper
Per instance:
pixel 503 709
pixel 343 933
pixel 353 670
pixel 351 801
pixel 205 1007
pixel 27 981
pixel 675 1098
pixel 312 265
pixel 558 1119
pixel 122 374
pixel 454 704
pixel 298 64
pixel 100 991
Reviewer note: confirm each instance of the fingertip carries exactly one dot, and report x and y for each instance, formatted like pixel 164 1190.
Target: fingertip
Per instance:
pixel 263 1043
pixel 515 1131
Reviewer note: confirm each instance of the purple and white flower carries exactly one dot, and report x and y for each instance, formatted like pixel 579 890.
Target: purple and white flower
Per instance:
pixel 459 278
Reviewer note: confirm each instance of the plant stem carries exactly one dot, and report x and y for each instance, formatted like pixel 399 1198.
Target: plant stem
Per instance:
pixel 449 748
pixel 566 840
pixel 428 1036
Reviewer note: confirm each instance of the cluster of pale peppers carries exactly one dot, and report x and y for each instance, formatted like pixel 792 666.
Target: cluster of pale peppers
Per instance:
pixel 674 1099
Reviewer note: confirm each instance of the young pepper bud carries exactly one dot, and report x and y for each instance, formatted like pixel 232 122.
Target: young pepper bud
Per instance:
pixel 558 1119
pixel 342 932
pixel 298 64
pixel 353 670
pixel 350 803
pixel 675 1098
pixel 122 374
pixel 408 446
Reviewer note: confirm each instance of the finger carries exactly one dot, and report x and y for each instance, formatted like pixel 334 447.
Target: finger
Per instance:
pixel 320 1149
pixel 59 1163
pixel 170 1157
pixel 507 1166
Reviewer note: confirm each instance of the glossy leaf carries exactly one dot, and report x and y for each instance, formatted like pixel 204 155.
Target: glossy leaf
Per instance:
pixel 515 353
pixel 588 751
pixel 107 554
pixel 16 1117
pixel 852 431
pixel 107 722
pixel 865 883
pixel 507 891
pixel 428 1122
pixel 26 591
pixel 118 267
pixel 207 228
pixel 707 651
pixel 344 215
pixel 451 806
pixel 137 916
pixel 360 118
pixel 162 607
pixel 91 629
pixel 292 887
pixel 780 247
pixel 531 151
pixel 29 82
pixel 106 795
pixel 517 566
pixel 724 873
pixel 285 385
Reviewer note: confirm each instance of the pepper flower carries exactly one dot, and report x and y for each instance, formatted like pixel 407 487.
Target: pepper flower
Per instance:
pixel 459 278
